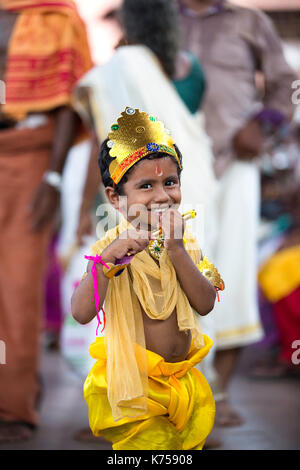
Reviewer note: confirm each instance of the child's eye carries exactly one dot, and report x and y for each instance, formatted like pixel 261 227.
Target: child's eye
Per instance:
pixel 171 182
pixel 146 186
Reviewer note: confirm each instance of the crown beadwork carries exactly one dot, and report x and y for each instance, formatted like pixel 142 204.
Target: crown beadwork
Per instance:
pixel 136 135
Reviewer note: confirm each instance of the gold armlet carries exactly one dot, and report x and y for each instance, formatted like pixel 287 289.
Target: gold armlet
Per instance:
pixel 114 270
pixel 211 273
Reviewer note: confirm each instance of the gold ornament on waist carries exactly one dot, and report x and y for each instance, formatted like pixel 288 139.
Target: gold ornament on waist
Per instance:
pixel 136 135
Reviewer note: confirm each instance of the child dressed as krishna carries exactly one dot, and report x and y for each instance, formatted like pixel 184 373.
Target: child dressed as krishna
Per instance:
pixel 144 391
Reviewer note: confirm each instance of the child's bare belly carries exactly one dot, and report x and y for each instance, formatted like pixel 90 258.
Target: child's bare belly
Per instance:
pixel 164 338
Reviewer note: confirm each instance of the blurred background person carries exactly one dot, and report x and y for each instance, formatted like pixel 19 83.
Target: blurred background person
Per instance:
pixel 103 28
pixel 279 267
pixel 279 261
pixel 233 43
pixel 53 313
pixel 43 52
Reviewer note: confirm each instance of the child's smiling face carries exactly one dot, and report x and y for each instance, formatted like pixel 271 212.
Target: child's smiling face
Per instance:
pixel 153 186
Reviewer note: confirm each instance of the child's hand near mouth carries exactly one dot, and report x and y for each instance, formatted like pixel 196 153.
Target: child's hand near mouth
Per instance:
pixel 172 225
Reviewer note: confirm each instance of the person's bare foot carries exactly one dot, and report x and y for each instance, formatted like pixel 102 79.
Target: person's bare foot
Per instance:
pixel 86 435
pixel 268 371
pixel 212 443
pixel 11 432
pixel 274 371
pixel 226 415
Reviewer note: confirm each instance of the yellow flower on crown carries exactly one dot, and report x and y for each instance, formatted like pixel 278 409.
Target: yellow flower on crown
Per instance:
pixel 136 135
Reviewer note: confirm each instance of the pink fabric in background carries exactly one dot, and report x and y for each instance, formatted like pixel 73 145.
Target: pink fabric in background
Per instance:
pixel 53 309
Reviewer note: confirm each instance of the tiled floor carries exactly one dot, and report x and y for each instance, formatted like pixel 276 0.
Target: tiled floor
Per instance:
pixel 271 411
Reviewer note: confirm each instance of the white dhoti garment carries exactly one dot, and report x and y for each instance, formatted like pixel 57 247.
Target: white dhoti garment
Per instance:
pixel 236 316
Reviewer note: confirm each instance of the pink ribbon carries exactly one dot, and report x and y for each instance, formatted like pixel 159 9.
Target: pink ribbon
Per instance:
pixel 96 260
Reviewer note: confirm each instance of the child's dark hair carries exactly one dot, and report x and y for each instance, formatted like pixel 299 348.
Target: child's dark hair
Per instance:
pixel 105 160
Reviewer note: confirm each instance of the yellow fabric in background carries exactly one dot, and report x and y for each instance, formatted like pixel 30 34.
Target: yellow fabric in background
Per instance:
pixel 180 404
pixel 280 275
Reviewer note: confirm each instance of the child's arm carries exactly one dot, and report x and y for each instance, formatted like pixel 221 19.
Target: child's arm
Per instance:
pixel 83 307
pixel 199 291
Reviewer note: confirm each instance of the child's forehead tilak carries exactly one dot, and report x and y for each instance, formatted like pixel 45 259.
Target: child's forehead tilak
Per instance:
pixel 157 167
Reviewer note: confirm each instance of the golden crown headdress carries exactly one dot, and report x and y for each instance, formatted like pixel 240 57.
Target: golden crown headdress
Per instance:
pixel 136 135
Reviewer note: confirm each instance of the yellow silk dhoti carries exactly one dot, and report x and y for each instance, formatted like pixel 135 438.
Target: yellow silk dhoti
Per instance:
pixel 180 404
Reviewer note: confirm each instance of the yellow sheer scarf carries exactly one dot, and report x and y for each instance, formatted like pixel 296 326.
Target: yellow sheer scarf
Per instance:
pixel 158 291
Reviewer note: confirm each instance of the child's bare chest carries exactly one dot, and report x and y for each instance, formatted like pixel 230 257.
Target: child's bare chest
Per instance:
pixel 164 338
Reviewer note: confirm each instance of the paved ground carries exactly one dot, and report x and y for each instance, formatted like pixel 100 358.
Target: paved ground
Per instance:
pixel 271 410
